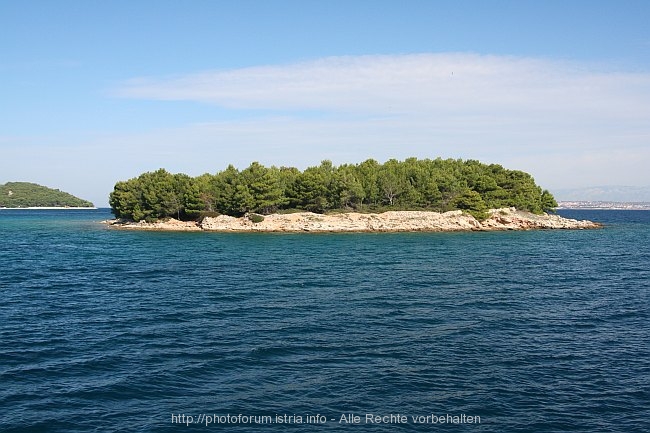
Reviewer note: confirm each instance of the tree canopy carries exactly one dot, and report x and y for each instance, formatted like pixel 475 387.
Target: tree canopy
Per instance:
pixel 26 194
pixel 413 184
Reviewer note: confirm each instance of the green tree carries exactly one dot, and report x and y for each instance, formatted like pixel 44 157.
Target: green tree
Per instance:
pixel 157 190
pixel 349 189
pixel 265 187
pixel 243 200
pixel 223 189
pixel 368 174
pixel 205 192
pixel 471 202
pixel 391 182
pixel 548 202
pixel 450 188
pixel 437 184
pixel 312 188
pixel 125 200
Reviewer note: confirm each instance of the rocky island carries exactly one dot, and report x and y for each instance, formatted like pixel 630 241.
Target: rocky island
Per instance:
pixel 397 196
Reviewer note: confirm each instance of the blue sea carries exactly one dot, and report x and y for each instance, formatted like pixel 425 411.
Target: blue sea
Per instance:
pixel 105 330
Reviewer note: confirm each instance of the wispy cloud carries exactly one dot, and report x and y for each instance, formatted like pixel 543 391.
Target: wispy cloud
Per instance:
pixel 426 84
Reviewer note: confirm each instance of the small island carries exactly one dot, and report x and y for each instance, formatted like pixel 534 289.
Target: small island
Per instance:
pixel 410 195
pixel 26 195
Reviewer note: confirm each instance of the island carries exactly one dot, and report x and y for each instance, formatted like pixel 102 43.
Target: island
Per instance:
pixel 604 205
pixel 410 195
pixel 26 195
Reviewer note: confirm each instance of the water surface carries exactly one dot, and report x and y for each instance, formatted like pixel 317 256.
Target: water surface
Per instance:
pixel 121 331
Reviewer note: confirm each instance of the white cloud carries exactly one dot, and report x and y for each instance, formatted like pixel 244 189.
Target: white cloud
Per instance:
pixel 454 85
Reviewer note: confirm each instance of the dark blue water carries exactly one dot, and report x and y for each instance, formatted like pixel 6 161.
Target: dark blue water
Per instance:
pixel 119 331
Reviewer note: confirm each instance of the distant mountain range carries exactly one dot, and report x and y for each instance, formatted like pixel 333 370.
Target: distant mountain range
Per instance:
pixel 627 194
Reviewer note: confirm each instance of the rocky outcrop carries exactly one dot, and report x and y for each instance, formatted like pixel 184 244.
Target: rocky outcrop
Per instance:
pixel 167 225
pixel 513 219
pixel 394 221
pixel 347 222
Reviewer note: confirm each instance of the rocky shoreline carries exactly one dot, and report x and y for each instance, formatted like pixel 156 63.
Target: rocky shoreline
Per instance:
pixel 393 221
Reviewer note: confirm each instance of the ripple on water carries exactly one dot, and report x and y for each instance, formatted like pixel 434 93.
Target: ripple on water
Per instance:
pixel 532 331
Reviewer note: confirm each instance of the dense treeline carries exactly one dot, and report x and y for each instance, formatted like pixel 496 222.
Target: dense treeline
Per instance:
pixel 26 194
pixel 439 185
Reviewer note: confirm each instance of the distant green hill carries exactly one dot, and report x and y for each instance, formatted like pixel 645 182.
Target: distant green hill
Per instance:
pixel 25 194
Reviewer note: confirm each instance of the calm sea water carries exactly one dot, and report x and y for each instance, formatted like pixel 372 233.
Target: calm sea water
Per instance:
pixel 120 331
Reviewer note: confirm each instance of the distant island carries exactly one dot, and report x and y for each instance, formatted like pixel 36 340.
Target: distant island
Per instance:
pixel 604 205
pixel 605 194
pixel 30 195
pixel 434 185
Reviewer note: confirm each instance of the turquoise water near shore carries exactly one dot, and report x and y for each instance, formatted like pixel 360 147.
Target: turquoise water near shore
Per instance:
pixel 121 331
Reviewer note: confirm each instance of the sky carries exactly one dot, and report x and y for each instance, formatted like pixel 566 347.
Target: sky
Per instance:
pixel 93 92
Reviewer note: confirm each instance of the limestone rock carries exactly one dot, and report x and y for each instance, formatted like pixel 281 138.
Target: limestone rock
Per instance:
pixel 392 221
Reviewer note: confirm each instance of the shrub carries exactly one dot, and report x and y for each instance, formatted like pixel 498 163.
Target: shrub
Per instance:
pixel 255 218
pixel 472 203
pixel 480 215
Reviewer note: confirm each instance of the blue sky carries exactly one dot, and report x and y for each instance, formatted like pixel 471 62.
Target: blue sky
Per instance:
pixel 95 92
